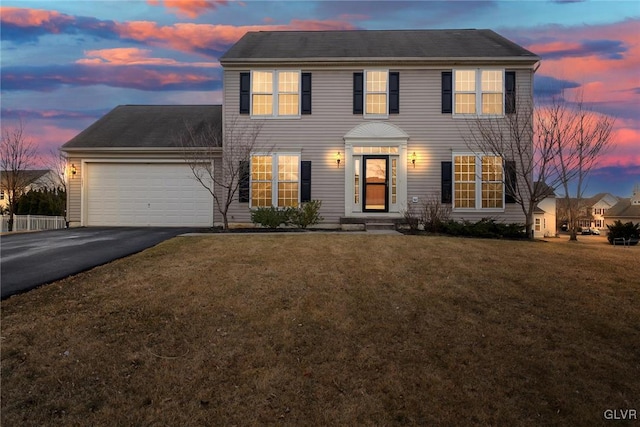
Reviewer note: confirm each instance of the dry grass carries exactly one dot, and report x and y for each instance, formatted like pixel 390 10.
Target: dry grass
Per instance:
pixel 330 329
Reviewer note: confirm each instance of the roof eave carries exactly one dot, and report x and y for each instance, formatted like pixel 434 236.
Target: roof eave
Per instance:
pixel 527 60
pixel 140 150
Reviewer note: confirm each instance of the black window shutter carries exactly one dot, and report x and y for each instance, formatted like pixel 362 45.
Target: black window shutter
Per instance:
pixel 446 188
pixel 510 92
pixel 245 92
pixel 305 181
pixel 243 182
pixel 394 93
pixel 358 96
pixel 306 93
pixel 510 181
pixel 447 92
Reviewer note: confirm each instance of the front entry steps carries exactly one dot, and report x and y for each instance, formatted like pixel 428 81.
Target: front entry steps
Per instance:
pixel 374 224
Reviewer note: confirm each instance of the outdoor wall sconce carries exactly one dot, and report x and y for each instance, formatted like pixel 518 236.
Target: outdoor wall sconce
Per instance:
pixel 73 170
pixel 338 158
pixel 413 159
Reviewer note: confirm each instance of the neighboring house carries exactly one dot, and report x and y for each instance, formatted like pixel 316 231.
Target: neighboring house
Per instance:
pixel 367 122
pixel 130 168
pixel 544 216
pixel 591 211
pixel 35 179
pixel 595 209
pixel 626 209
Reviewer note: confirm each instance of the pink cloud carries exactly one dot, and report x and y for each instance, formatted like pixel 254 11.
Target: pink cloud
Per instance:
pixel 191 37
pixel 581 54
pixel 134 56
pixel 33 17
pixel 604 60
pixel 624 149
pixel 189 8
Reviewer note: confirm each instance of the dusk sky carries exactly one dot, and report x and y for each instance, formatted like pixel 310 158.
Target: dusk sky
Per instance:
pixel 67 63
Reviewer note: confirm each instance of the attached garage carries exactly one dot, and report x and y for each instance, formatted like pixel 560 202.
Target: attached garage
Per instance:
pixel 129 167
pixel 151 194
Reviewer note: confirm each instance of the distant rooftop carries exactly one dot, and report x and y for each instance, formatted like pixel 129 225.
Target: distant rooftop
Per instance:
pixel 29 175
pixel 624 209
pixel 144 126
pixel 372 44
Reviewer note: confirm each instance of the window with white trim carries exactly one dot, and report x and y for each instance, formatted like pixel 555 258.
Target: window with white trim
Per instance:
pixel 275 93
pixel 376 92
pixel 492 187
pixel 478 182
pixel 478 92
pixel 275 180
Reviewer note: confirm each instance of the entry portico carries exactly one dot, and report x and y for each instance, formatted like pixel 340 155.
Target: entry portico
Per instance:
pixel 375 169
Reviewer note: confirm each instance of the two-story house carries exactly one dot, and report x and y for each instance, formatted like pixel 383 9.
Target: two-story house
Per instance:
pixel 368 122
pixel 32 179
pixel 591 210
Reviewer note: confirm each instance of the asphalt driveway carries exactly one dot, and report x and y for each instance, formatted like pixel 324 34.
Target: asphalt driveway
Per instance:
pixel 29 260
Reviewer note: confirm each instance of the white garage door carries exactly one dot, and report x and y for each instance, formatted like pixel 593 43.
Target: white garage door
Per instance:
pixel 134 194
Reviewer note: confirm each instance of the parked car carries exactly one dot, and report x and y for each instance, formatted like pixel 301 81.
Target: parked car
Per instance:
pixel 591 230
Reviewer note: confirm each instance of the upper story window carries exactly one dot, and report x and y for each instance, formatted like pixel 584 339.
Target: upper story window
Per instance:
pixel 479 92
pixel 376 93
pixel 275 93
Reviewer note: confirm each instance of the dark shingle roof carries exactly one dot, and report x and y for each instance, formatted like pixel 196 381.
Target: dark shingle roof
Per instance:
pixel 544 189
pixel 623 209
pixel 368 44
pixel 28 175
pixel 145 126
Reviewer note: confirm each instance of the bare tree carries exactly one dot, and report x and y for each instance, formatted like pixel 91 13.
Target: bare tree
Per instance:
pixel 56 181
pixel 56 163
pixel 17 156
pixel 527 157
pixel 203 144
pixel 578 136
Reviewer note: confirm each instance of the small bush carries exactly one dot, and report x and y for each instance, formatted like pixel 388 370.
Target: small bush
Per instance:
pixel 271 217
pixel 485 228
pixel 411 217
pixel 434 214
pixel 306 214
pixel 627 230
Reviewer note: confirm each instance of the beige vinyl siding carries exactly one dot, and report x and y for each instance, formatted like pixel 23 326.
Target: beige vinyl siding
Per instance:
pixel 74 189
pixel 432 135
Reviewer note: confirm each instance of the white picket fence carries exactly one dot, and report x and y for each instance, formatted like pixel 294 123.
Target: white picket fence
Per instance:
pixel 33 222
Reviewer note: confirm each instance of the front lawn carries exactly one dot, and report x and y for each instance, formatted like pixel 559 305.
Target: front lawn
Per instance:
pixel 330 329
